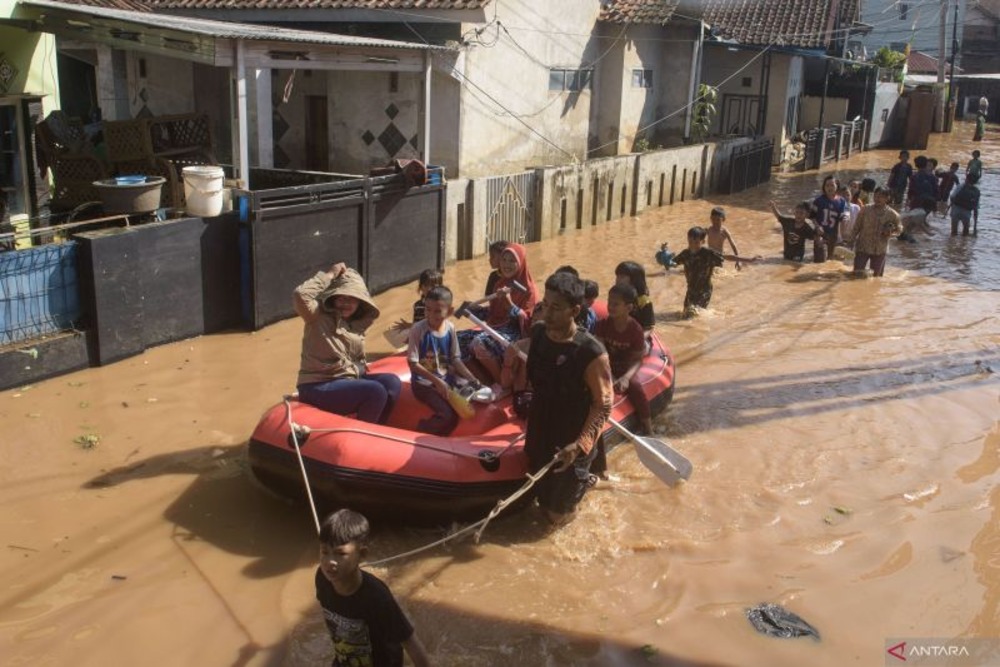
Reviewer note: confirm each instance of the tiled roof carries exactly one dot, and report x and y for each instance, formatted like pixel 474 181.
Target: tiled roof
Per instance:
pixel 311 4
pixel 637 11
pixel 803 23
pixel 131 5
pixel 921 63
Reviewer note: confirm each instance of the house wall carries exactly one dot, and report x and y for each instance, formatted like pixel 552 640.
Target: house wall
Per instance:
pixel 668 52
pixel 33 55
pixel 835 111
pixel 980 42
pixel 884 113
pixel 786 82
pixel 167 87
pixel 494 142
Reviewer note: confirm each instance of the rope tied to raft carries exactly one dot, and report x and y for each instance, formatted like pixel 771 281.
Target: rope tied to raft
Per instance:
pixel 501 505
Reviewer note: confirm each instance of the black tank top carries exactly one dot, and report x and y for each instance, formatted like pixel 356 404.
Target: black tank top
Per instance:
pixel 560 397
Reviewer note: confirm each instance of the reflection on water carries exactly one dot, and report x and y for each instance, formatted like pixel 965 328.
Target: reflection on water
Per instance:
pixel 843 432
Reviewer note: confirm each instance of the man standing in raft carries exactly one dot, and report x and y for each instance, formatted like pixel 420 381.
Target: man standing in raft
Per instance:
pixel 572 395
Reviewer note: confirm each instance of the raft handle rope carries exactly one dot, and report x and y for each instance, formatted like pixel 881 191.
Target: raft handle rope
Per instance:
pixel 481 524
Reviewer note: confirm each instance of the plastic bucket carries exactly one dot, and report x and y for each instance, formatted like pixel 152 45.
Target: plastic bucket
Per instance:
pixel 203 190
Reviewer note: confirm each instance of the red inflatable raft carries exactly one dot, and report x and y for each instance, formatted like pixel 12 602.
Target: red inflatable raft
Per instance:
pixel 393 471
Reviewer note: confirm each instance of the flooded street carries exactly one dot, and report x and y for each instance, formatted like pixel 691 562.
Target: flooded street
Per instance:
pixel 844 434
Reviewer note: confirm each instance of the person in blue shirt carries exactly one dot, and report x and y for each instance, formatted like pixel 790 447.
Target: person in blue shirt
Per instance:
pixel 828 212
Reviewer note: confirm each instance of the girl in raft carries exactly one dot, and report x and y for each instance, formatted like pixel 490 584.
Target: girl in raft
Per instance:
pixel 508 314
pixel 337 310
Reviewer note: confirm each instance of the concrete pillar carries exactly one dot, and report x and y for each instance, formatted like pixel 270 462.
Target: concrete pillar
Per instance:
pixel 264 118
pixel 112 83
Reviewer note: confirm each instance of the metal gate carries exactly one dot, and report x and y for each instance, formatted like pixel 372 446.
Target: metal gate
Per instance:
pixel 510 202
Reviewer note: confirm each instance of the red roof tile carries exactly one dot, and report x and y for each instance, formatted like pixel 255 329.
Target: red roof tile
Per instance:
pixel 919 62
pixel 802 23
pixel 307 4
pixel 637 11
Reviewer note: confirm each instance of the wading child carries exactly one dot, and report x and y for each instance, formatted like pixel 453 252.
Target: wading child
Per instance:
pixel 855 188
pixel 899 178
pixel 876 225
pixel 923 183
pixel 624 340
pixel 948 181
pixel 844 193
pixel 365 622
pixel 632 273
pixel 795 229
pixel 699 264
pixel 975 167
pixel 435 362
pixel 718 234
pixel 965 206
pixel 429 279
pixel 867 189
pixel 916 220
pixel 828 211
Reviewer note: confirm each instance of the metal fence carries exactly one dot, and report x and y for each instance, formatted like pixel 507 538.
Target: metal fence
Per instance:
pixel 39 292
pixel 749 166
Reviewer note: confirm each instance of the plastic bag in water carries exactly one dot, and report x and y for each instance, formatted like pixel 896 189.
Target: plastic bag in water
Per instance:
pixel 776 621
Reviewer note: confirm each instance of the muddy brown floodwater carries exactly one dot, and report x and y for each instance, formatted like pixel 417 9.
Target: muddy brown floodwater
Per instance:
pixel 844 435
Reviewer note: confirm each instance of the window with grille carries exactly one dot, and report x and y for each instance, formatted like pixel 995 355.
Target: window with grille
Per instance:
pixel 572 80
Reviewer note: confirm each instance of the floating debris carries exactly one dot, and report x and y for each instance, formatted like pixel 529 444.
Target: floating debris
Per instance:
pixel 31 352
pixel 776 621
pixel 84 404
pixel 88 441
pixel 840 509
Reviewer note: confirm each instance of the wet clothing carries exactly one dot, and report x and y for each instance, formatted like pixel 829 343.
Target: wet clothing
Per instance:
pixel 874 229
pixel 899 178
pixel 698 269
pixel 966 197
pixel 435 352
pixel 643 312
pixel 960 215
pixel 368 627
pixel 923 185
pixel 877 263
pixel 560 405
pixel 980 127
pixel 975 168
pixel 795 237
pixel 949 179
pixel 622 347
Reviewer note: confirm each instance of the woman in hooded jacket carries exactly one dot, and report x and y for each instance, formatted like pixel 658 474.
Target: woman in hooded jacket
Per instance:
pixel 337 310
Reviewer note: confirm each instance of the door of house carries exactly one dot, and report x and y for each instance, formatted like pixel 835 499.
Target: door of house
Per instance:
pixel 317 134
pixel 739 115
pixel 510 203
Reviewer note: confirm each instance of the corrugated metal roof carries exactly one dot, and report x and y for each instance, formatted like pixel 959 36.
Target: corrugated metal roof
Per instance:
pixel 657 12
pixel 225 29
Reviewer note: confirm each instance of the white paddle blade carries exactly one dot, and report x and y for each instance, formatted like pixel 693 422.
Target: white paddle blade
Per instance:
pixel 662 460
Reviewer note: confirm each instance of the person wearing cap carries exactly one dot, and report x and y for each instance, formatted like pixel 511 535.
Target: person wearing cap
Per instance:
pixel 718 234
pixel 333 375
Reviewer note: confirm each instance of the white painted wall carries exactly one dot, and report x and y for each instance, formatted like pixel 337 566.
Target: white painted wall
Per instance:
pixel 834 111
pixel 493 140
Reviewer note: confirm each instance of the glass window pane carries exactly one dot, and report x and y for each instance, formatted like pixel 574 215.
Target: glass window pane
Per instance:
pixel 557 79
pixel 637 78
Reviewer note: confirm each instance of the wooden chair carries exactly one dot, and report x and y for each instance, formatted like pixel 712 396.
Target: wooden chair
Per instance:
pixel 65 150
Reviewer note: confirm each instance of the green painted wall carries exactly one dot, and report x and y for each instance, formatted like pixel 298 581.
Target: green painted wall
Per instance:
pixel 33 54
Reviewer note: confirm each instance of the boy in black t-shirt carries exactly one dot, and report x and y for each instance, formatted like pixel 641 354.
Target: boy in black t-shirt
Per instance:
pixel 699 264
pixel 795 230
pixel 365 622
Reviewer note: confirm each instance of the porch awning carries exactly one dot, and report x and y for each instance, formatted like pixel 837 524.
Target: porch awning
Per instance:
pixel 212 42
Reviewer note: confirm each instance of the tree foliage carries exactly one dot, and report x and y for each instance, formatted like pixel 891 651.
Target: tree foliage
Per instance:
pixel 704 112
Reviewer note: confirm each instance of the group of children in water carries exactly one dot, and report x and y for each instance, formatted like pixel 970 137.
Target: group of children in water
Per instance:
pixel 361 613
